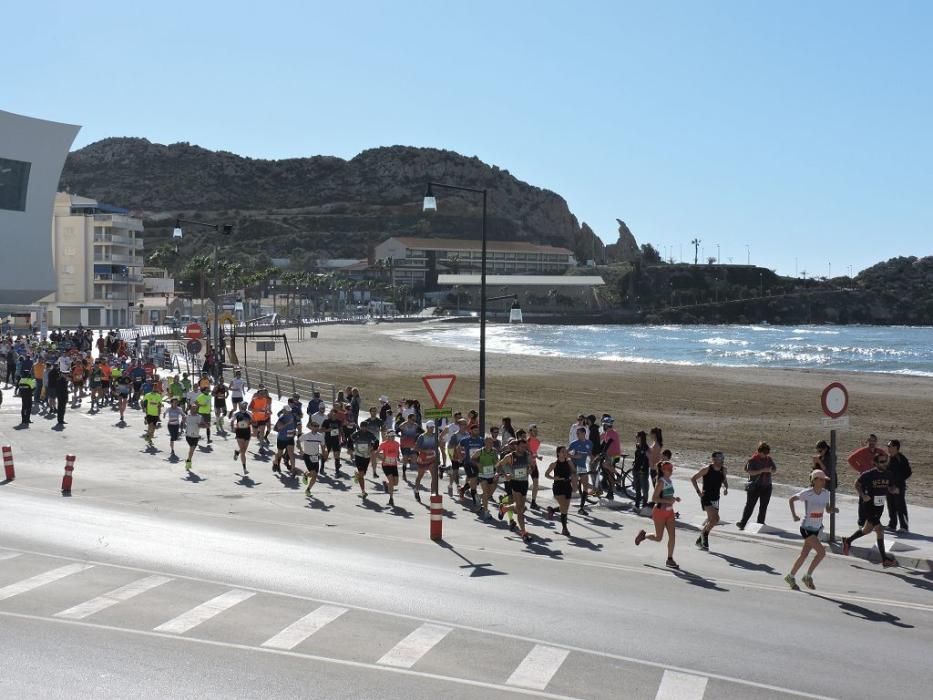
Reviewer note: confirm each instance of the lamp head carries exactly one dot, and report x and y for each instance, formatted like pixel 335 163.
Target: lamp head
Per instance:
pixel 430 202
pixel 177 233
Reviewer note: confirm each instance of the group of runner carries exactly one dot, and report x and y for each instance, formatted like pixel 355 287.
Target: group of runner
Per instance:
pixel 500 469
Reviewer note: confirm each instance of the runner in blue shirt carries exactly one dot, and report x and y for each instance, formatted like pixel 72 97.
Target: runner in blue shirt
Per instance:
pixel 580 450
pixel 470 445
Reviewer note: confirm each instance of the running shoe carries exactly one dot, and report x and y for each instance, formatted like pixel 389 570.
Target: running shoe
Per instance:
pixel 535 506
pixel 846 546
pixel 418 497
pixel 888 563
pixel 565 532
pixel 188 465
pixel 808 582
pixel 792 582
pixel 671 564
pixel 391 502
pixel 583 511
pixel 699 542
pixel 501 511
pixel 304 478
pixel 640 537
pixel 512 525
pixel 308 491
pixel 525 536
pixel 236 455
pixel 550 512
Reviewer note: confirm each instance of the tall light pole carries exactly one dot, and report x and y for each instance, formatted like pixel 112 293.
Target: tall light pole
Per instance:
pixel 748 254
pixel 696 250
pixel 430 205
pixel 226 230
pixel 718 259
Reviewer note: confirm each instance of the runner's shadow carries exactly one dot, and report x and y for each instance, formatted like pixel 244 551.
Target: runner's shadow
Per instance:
pixel 921 580
pixel 120 424
pixel 247 481
pixel 857 611
pixel 691 578
pixel 193 478
pixel 288 481
pixel 335 484
pixel 599 522
pixel 370 505
pixel 584 543
pixel 315 504
pixel 539 547
pixel 478 570
pixel 401 512
pixel 745 564
pixel 5 482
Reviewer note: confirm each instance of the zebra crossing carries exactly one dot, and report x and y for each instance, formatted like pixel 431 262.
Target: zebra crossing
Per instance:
pixel 86 593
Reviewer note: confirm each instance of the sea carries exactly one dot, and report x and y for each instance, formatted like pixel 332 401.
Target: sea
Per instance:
pixel 881 349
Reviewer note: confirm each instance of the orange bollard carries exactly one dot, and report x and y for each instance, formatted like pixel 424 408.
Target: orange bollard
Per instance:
pixel 437 516
pixel 66 480
pixel 8 463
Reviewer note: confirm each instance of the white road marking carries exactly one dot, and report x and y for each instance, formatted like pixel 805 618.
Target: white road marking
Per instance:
pixel 4 556
pixel 538 668
pixel 102 602
pixel 681 686
pixel 204 612
pixel 407 652
pixel 29 584
pixel 297 632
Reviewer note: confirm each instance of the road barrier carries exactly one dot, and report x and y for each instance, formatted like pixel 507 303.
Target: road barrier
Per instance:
pixel 66 480
pixel 8 463
pixel 437 516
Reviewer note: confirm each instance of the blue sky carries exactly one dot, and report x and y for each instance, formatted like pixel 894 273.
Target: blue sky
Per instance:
pixel 799 129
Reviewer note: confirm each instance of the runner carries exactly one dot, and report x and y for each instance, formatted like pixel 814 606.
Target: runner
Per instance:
pixel 408 434
pixel 138 374
pixel 284 442
pixel 579 451
pixel 455 434
pixel 153 413
pixel 294 403
pixel 241 422
pixel 331 429
pixel 192 433
pixel 486 459
pixel 426 447
pixel 470 444
pixel 389 452
pixel 260 407
pixel 519 465
pixel 816 501
pixel 534 444
pixel 203 402
pixel 714 479
pixel 663 513
pixel 220 402
pixel 237 389
pixel 312 449
pixel 78 373
pixel 95 381
pixel 124 386
pixel 873 487
pixel 364 446
pixel 174 417
pixel 563 474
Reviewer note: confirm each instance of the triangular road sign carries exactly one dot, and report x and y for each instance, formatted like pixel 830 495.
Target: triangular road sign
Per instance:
pixel 439 386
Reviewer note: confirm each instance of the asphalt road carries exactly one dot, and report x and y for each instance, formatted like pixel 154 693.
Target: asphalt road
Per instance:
pixel 146 582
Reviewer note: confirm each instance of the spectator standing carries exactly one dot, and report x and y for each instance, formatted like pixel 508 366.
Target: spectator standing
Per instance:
pixel 899 467
pixel 759 468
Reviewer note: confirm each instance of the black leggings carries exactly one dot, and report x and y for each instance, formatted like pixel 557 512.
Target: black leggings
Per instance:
pixel 760 495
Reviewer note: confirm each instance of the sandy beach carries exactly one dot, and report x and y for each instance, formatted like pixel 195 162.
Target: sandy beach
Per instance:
pixel 698 408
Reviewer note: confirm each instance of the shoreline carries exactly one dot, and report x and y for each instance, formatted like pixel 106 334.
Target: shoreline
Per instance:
pixel 700 408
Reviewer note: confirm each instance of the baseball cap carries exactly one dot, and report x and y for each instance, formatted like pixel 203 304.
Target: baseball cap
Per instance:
pixel 429 424
pixel 818 474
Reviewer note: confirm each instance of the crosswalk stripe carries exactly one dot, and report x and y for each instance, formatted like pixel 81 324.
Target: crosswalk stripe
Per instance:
pixel 4 556
pixel 205 611
pixel 298 631
pixel 681 686
pixel 102 602
pixel 406 653
pixel 538 668
pixel 42 579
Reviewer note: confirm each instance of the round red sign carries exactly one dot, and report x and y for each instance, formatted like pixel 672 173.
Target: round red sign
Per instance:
pixel 194 331
pixel 835 400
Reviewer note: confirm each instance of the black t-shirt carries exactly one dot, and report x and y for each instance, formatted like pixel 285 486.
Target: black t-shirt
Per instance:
pixel 875 483
pixel 373 425
pixel 331 428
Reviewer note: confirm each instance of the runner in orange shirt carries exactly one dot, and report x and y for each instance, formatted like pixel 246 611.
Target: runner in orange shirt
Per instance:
pixel 389 452
pixel 261 409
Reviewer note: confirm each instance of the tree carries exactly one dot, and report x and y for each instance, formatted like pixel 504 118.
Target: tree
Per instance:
pixel 711 260
pixel 650 254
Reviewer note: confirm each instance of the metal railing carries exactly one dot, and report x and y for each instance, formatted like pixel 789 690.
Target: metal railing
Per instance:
pixel 284 384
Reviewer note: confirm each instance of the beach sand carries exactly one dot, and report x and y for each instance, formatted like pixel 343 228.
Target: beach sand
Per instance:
pixel 699 408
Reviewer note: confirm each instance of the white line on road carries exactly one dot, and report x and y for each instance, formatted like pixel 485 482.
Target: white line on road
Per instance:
pixel 297 632
pixel 205 611
pixel 407 652
pixel 8 555
pixel 681 686
pixel 28 584
pixel 102 602
pixel 538 668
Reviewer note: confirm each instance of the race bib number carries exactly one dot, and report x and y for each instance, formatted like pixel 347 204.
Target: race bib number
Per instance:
pixel 390 462
pixel 487 471
pixel 334 433
pixel 242 424
pixel 520 473
pixel 879 500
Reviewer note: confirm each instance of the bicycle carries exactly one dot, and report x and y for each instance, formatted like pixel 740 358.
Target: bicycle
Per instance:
pixel 622 477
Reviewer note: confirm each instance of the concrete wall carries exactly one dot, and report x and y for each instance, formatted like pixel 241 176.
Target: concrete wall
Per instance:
pixel 25 234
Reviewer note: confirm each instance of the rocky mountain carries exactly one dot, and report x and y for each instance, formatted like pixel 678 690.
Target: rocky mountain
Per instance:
pixel 320 205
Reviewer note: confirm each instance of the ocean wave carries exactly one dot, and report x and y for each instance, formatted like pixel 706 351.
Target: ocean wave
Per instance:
pixel 814 331
pixel 724 341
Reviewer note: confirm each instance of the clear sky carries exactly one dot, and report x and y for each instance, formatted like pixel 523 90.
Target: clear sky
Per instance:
pixel 801 129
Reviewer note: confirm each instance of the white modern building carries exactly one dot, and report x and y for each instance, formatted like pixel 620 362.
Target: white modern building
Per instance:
pixel 412 259
pixel 32 154
pixel 98 254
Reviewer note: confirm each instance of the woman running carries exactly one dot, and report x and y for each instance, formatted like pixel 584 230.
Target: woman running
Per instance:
pixel 816 501
pixel 714 480
pixel 564 476
pixel 174 417
pixel 663 513
pixel 242 423
pixel 389 452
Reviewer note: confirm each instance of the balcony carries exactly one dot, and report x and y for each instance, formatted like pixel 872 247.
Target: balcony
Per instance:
pixel 119 221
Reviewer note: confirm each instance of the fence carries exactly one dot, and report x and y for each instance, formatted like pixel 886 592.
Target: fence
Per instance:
pixel 284 384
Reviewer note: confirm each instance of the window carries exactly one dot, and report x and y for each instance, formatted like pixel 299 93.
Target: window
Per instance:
pixel 14 181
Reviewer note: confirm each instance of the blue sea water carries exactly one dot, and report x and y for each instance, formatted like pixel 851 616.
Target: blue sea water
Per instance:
pixel 887 349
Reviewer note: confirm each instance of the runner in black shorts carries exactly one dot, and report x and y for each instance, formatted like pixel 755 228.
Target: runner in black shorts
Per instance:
pixel 364 446
pixel 714 480
pixel 220 403
pixel 519 463
pixel 331 430
pixel 873 487
pixel 564 477
pixel 241 423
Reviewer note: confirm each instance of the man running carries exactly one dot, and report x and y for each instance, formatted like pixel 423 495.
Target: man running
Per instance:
pixel 331 429
pixel 714 480
pixel 153 414
pixel 427 449
pixel 312 449
pixel 873 487
pixel 469 445
pixel 519 466
pixel 580 449
pixel 260 407
pixel 174 416
pixel 486 460
pixel 237 388
pixel 408 434
pixel 284 441
pixel 192 432
pixel 455 433
pixel 203 402
pixel 364 446
pixel 220 402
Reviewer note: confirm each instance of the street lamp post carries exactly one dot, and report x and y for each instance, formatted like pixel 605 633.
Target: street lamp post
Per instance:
pixel 226 230
pixel 430 205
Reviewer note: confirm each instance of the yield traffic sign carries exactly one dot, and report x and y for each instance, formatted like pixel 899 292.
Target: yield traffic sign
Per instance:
pixel 439 386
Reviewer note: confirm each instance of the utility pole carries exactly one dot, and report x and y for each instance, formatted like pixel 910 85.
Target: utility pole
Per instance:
pixel 748 254
pixel 696 250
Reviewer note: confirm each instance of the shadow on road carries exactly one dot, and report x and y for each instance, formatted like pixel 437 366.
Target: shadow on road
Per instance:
pixel 745 564
pixel 247 481
pixel 919 579
pixel 315 503
pixel 691 578
pixel 477 569
pixel 867 614
pixel 193 478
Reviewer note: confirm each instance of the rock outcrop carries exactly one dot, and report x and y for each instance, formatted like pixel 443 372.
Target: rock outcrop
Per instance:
pixel 626 248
